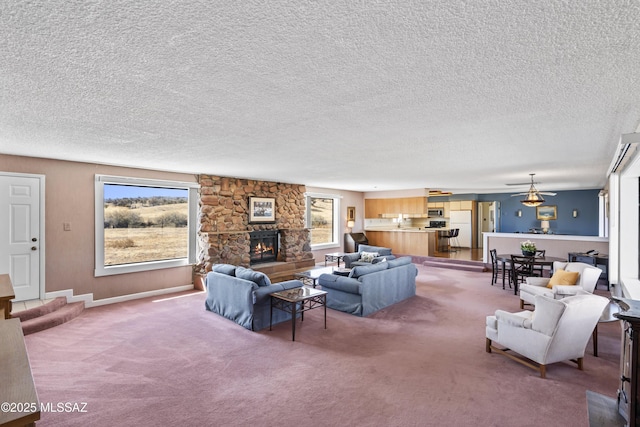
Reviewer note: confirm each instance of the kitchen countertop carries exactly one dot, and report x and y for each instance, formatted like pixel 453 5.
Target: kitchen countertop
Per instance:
pixel 408 230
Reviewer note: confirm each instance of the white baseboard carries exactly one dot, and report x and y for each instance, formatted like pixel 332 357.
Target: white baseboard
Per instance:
pixel 90 302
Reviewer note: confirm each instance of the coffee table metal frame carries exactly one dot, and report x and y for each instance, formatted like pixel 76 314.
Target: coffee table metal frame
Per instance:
pixel 334 256
pixel 310 277
pixel 298 300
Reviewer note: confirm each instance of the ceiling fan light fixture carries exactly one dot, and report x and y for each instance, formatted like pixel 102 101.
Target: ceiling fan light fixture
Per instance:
pixel 534 198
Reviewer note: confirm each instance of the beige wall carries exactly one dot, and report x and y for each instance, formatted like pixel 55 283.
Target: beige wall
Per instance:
pixel 69 191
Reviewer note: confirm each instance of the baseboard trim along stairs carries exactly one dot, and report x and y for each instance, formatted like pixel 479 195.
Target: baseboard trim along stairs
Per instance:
pixel 53 313
pixel 451 263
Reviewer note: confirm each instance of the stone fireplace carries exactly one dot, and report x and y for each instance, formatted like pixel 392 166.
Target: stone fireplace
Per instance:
pixel 263 246
pixel 225 233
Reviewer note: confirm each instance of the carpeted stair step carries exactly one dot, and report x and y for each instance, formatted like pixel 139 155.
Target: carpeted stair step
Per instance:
pixel 451 263
pixel 53 318
pixel 41 310
pixel 455 266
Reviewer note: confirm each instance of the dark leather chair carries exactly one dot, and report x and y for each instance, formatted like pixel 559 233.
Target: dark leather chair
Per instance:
pixel 453 239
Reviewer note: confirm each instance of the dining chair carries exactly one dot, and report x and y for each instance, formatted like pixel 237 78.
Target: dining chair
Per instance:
pixel 496 269
pixel 521 268
pixel 540 253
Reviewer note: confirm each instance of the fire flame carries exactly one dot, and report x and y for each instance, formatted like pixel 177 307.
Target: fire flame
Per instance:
pixel 261 248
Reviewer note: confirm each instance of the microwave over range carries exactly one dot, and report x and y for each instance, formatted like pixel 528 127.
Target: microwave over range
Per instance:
pixel 435 212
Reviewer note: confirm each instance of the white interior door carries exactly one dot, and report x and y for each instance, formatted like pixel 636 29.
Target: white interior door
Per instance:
pixel 20 234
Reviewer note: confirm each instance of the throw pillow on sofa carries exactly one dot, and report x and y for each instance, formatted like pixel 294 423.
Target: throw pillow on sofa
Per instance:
pixel 368 256
pixel 257 277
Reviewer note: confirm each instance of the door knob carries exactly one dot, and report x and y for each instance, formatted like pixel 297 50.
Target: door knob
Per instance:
pixel 35 239
pixel 33 248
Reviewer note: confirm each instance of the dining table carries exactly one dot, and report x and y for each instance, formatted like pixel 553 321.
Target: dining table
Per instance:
pixel 543 261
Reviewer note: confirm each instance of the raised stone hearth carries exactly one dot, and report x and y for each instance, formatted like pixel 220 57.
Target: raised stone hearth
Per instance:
pixel 223 234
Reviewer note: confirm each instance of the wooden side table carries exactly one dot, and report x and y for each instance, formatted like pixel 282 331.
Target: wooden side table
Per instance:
pixel 6 295
pixel 17 388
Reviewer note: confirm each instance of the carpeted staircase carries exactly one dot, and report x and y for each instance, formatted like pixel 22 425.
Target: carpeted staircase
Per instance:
pixel 53 313
pixel 451 263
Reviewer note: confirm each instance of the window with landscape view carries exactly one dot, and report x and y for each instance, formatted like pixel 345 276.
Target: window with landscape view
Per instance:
pixel 323 220
pixel 143 224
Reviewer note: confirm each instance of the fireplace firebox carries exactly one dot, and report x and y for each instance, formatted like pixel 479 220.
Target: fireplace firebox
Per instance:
pixel 263 246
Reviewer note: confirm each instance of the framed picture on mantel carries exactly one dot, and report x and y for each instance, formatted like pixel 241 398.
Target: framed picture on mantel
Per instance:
pixel 546 212
pixel 262 209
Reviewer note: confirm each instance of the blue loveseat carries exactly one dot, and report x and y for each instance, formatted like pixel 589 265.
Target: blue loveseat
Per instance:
pixel 372 287
pixel 376 254
pixel 242 295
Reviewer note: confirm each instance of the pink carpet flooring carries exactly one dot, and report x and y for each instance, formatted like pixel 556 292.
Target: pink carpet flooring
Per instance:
pixel 422 362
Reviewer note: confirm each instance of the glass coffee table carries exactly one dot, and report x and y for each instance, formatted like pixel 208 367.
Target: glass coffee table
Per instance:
pixel 298 300
pixel 310 277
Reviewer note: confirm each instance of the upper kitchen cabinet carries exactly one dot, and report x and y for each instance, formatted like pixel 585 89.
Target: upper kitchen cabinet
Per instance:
pixel 461 205
pixel 374 208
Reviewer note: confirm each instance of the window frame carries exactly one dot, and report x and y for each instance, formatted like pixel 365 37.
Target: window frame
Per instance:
pixel 336 222
pixel 103 270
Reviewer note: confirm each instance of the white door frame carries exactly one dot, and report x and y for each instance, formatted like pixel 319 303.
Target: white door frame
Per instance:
pixel 41 249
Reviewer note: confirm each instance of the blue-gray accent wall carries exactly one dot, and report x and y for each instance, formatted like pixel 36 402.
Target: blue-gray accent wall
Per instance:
pixel 586 202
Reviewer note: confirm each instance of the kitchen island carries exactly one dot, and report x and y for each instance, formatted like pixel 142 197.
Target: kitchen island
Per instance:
pixel 406 241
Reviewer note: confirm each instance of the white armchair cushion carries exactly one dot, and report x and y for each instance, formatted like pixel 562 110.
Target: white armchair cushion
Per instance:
pixel 521 319
pixel 567 290
pixel 548 312
pixel 537 281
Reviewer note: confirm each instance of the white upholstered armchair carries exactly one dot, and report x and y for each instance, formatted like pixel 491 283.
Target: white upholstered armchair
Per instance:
pixel 587 279
pixel 556 331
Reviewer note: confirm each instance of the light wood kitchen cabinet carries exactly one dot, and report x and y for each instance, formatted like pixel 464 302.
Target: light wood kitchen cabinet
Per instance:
pixel 373 208
pixel 461 205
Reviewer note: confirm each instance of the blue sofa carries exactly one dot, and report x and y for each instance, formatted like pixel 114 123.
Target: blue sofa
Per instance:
pixel 354 259
pixel 242 295
pixel 372 287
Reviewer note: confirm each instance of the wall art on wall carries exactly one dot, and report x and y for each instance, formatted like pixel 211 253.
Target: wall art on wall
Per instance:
pixel 351 213
pixel 546 212
pixel 262 209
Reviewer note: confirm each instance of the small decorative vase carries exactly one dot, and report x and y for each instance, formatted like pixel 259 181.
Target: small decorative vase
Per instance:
pixel 528 253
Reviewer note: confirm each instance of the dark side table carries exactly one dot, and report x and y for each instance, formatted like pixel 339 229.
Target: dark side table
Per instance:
pixel 334 256
pixel 298 300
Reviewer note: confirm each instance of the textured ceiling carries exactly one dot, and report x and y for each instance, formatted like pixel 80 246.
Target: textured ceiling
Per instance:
pixel 453 95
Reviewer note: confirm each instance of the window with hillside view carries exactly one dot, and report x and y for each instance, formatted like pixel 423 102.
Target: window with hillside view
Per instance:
pixel 322 220
pixel 142 224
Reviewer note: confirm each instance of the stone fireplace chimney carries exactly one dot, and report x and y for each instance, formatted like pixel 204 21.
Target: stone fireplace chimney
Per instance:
pixel 224 229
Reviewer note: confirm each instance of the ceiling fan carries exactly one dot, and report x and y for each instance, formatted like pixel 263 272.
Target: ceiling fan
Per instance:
pixel 533 196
